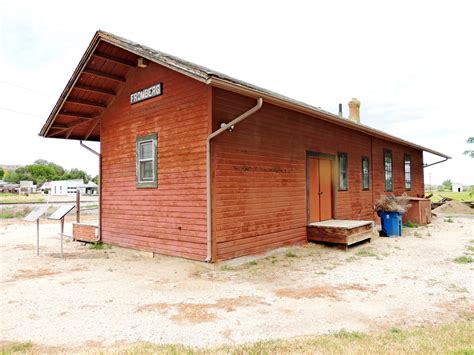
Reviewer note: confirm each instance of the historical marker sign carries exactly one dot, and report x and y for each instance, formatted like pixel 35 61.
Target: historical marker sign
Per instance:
pixel 61 212
pixel 145 94
pixel 37 212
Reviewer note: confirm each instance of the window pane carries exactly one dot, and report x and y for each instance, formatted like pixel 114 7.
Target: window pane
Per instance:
pixel 407 172
pixel 388 170
pixel 146 170
pixel 343 171
pixel 146 161
pixel 365 173
pixel 146 150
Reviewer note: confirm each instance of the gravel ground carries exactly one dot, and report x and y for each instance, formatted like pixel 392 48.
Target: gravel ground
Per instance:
pixel 117 296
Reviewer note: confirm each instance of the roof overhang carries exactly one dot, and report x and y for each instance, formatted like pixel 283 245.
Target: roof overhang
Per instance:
pixel 293 105
pixel 102 80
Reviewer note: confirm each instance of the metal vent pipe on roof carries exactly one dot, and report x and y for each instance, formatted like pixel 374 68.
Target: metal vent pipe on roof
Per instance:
pixel 224 127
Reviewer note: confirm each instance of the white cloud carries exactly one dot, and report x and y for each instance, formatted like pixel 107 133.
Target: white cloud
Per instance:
pixel 410 63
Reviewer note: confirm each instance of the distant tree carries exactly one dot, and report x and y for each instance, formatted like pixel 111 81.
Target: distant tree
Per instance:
pixel 96 179
pixel 2 172
pixel 41 171
pixel 40 162
pixel 447 185
pixel 470 140
pixel 12 177
pixel 76 174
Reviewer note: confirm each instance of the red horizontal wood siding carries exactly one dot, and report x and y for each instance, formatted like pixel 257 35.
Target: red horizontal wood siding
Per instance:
pixel 169 219
pixel 259 174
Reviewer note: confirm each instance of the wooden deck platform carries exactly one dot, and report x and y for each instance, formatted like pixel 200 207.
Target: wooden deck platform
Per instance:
pixel 343 232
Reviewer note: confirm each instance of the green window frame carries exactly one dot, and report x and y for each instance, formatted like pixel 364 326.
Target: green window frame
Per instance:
pixel 365 173
pixel 388 170
pixel 407 171
pixel 343 178
pixel 147 161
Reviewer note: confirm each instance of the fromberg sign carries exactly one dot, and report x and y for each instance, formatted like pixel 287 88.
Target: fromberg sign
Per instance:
pixel 145 94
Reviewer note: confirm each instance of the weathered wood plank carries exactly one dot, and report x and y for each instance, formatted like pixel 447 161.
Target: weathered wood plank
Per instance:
pixel 86 102
pixel 95 89
pixel 104 75
pixel 115 59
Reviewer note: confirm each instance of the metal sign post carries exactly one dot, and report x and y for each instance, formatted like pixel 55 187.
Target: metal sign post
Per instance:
pixel 37 237
pixel 35 216
pixel 59 215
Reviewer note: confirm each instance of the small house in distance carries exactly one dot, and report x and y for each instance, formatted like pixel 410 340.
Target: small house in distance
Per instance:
pixel 200 165
pixel 65 187
pixel 457 188
pixel 26 187
pixel 90 188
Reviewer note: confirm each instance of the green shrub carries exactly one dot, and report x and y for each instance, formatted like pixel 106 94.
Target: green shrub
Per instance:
pixel 464 259
pixel 411 224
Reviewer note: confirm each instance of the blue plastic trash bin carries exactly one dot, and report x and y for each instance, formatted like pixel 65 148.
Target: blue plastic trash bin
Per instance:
pixel 391 223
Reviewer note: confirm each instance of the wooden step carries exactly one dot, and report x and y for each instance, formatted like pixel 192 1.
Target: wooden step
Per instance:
pixel 340 232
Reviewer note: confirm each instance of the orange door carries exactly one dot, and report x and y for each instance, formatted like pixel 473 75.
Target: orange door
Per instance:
pixel 320 189
pixel 314 206
pixel 325 189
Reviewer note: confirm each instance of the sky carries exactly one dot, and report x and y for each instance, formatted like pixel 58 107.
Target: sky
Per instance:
pixel 410 63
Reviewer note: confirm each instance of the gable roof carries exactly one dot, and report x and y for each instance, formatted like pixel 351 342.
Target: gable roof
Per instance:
pixel 129 55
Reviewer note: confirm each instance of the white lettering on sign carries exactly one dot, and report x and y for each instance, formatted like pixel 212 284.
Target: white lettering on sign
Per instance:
pixel 148 93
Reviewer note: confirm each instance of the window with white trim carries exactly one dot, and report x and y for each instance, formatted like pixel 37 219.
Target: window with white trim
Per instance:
pixel 388 170
pixel 407 164
pixel 147 164
pixel 365 173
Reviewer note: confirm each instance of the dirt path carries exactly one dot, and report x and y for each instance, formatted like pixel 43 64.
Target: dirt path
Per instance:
pixel 115 296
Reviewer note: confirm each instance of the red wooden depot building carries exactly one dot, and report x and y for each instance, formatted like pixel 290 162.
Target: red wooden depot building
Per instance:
pixel 200 165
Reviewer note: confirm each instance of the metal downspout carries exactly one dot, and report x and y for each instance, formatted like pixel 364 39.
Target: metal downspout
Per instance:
pixel 98 185
pixel 438 162
pixel 224 127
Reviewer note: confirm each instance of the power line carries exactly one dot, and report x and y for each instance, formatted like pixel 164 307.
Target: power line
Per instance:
pixel 21 113
pixel 23 87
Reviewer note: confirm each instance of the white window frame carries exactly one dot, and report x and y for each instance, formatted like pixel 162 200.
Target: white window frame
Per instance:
pixel 153 182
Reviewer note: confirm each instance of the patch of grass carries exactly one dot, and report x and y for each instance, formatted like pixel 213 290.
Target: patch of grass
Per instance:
pixel 12 348
pixel 457 196
pixel 12 212
pixel 226 267
pixel 470 248
pixel 99 246
pixel 366 252
pixel 90 207
pixel 410 224
pixel 417 235
pixel 352 259
pixel 252 263
pixel 345 334
pixel 449 220
pixel 453 338
pixel 290 254
pixel 465 259
pixel 15 198
pixel 456 288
